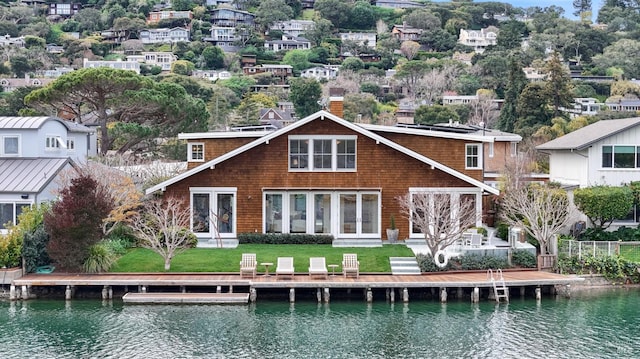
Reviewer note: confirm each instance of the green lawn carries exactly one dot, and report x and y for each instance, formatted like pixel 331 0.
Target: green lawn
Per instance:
pixel 227 260
pixel 630 252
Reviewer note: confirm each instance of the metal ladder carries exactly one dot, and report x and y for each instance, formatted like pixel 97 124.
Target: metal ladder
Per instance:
pixel 500 290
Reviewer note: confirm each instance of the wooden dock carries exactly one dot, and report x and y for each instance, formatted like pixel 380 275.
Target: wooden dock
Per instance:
pixel 186 298
pixel 232 283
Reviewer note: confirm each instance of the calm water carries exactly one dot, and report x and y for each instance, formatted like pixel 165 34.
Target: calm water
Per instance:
pixel 602 326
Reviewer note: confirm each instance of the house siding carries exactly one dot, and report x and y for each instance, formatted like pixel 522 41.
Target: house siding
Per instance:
pixel 612 176
pixel 265 167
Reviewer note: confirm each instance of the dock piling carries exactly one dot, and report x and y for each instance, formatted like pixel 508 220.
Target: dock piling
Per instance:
pixel 538 293
pixel 475 295
pixel 369 295
pixel 292 295
pixel 25 292
pixel 443 295
pixel 392 295
pixel 253 295
pixel 326 295
pixel 405 295
pixel 12 293
pixel 67 293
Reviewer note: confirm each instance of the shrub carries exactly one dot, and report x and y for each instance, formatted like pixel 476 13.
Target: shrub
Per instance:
pixel 124 234
pixel 34 249
pixel 426 264
pixel 10 248
pixel 283 238
pixel 100 259
pixel 524 259
pixel 502 231
pixel 614 268
pixel 474 261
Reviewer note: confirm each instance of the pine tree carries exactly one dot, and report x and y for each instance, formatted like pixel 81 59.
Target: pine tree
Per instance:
pixel 516 81
pixel 558 85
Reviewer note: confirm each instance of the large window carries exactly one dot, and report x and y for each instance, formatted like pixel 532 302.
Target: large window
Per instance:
pixel 329 153
pixel 472 156
pixel 619 156
pixel 213 211
pixel 9 212
pixel 11 145
pixel 196 152
pixel 54 143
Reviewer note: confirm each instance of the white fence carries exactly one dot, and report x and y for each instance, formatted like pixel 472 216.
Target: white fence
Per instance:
pixel 597 248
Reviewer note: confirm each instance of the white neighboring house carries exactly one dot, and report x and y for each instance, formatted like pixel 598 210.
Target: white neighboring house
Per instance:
pixel 320 72
pixel 479 39
pixel 164 35
pixel 118 64
pixel 362 38
pixel 161 59
pixel 293 27
pixel 287 43
pixel 225 37
pixel 604 153
pixel 33 153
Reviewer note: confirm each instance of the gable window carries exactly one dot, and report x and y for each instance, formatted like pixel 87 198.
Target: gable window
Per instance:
pixel 472 156
pixel 11 145
pixel 329 153
pixel 196 152
pixel 620 156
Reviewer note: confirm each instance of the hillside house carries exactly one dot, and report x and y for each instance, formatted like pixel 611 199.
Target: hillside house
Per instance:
pixel 479 39
pixel 156 16
pixel 165 35
pixel 293 27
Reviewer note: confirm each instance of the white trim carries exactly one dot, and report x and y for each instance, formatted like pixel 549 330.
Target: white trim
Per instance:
pixel 478 156
pixel 213 193
pixel 310 142
pixel 190 146
pixel 491 150
pixel 323 115
pixel 4 139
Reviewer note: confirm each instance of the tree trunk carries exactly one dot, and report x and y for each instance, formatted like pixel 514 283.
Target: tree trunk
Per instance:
pixel 167 264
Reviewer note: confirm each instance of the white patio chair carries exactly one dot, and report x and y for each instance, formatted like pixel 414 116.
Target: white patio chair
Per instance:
pixel 318 267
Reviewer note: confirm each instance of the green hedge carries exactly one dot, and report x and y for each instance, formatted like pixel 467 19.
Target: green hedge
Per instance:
pixel 613 268
pixel 625 234
pixel 283 238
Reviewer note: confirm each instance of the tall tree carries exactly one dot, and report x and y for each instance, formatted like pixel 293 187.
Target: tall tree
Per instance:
pixel 125 98
pixel 305 93
pixel 75 222
pixel 271 11
pixel 582 7
pixel 558 85
pixel 516 81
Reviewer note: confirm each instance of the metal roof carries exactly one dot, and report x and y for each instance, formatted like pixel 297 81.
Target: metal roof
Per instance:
pixel 28 175
pixel 588 135
pixel 35 122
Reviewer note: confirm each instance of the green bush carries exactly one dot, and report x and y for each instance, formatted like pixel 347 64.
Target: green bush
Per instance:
pixel 100 259
pixel 524 259
pixel 283 238
pixel 474 262
pixel 10 248
pixel 625 234
pixel 34 249
pixel 426 264
pixel 124 234
pixel 117 246
pixel 502 231
pixel 614 268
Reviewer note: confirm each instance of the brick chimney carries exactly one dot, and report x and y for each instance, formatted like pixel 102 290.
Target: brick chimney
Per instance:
pixel 336 101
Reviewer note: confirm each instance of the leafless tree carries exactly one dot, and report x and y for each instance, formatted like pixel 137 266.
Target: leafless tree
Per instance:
pixel 409 49
pixel 542 211
pixel 441 216
pixel 161 227
pixel 484 111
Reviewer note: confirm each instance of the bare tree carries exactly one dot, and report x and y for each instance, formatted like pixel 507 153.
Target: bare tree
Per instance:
pixel 483 110
pixel 441 216
pixel 409 49
pixel 161 227
pixel 542 211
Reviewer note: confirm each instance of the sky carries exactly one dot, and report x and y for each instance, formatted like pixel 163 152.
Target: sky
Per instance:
pixel 567 5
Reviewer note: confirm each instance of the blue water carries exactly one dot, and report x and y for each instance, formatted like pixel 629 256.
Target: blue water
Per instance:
pixel 605 325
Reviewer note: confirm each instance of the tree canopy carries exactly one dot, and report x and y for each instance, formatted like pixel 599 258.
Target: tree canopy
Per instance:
pixel 136 107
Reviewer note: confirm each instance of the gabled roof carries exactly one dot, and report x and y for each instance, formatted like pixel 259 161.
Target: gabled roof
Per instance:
pixel 35 123
pixel 29 175
pixel 323 116
pixel 588 135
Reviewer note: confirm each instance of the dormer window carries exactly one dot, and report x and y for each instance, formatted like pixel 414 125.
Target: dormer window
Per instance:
pixel 322 153
pixel 54 143
pixel 11 145
pixel 196 152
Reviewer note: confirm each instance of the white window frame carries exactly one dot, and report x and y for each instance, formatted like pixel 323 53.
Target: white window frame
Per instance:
pixel 213 193
pixel 71 144
pixel 310 166
pixel 491 149
pixel 10 154
pixel 54 143
pixel 478 157
pixel 636 165
pixel 514 149
pixel 191 152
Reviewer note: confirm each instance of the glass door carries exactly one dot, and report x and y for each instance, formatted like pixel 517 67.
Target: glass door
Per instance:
pixel 359 214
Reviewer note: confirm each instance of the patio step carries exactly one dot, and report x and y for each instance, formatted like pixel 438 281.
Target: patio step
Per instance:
pixel 404 266
pixel 358 242
pixel 212 243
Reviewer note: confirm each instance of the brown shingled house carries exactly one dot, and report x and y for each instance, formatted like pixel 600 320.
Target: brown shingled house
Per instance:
pixel 322 175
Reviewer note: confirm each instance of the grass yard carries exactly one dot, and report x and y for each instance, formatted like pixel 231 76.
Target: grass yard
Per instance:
pixel 227 260
pixel 630 252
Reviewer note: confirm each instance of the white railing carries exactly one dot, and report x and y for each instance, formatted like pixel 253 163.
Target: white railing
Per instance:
pixel 594 248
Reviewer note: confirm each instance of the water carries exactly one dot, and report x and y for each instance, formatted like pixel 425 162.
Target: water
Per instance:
pixel 606 325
